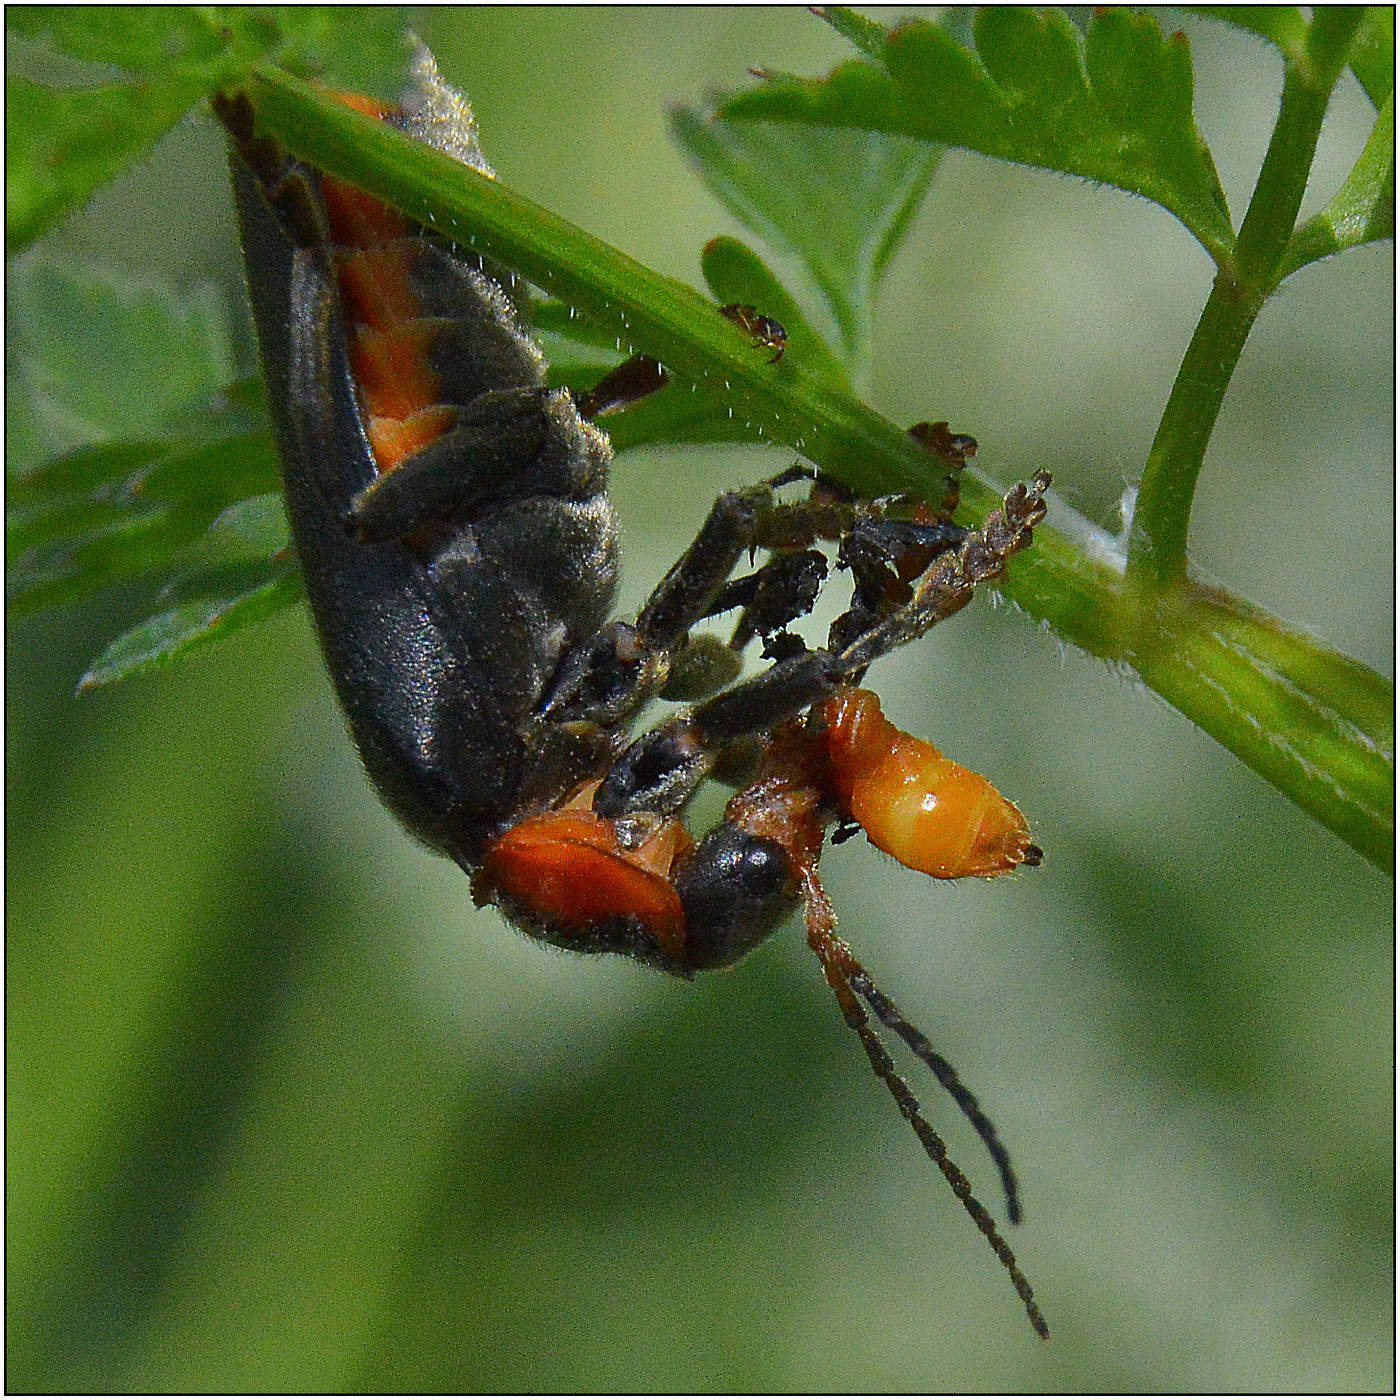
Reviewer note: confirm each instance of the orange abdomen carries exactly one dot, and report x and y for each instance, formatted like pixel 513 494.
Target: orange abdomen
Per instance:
pixel 928 812
pixel 390 339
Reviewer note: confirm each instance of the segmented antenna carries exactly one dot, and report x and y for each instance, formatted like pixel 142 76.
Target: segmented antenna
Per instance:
pixel 891 1016
pixel 844 975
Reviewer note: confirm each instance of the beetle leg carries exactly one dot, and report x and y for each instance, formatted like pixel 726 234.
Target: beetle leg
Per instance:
pixel 784 589
pixel 477 463
pixel 610 676
pixel 698 584
pixel 884 556
pixel 663 767
pixel 685 595
pixel 632 380
pixel 792 685
pixel 948 585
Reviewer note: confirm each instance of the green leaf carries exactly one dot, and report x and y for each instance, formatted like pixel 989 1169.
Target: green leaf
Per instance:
pixel 210 476
pixel 65 541
pixel 778 179
pixel 736 274
pixel 248 395
pixel 164 452
pixel 1362 210
pixel 248 573
pixel 218 604
pixel 161 352
pixel 220 43
pixel 61 145
pixel 364 46
pixel 64 141
pixel 868 35
pixel 142 39
pixel 85 469
pixel 1115 106
pixel 40 505
pixel 227 467
pixel 124 546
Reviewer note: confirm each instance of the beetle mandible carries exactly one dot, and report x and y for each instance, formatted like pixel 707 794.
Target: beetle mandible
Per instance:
pixel 460 554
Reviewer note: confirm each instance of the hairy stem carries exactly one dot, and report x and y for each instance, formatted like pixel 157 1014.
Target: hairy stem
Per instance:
pixel 1157 547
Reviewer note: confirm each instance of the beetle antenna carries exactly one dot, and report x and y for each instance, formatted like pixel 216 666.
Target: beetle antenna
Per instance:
pixel 891 1016
pixel 840 965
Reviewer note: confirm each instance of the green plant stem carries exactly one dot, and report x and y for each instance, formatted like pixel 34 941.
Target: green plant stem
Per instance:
pixel 1162 515
pixel 1162 518
pixel 1314 723
pixel 1245 678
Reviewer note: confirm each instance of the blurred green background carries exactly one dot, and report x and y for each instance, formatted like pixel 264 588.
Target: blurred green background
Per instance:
pixel 286 1113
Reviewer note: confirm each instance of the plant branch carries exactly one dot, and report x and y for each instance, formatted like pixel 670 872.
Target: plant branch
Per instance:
pixel 1162 518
